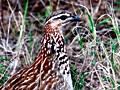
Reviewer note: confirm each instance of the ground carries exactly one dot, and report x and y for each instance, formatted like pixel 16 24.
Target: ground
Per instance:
pixel 93 45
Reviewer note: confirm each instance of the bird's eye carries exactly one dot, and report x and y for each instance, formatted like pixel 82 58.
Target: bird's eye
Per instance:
pixel 63 17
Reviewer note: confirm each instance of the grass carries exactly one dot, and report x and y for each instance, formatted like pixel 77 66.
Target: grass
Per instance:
pixel 102 57
pixel 78 83
pixel 111 77
pixel 3 69
pixel 94 53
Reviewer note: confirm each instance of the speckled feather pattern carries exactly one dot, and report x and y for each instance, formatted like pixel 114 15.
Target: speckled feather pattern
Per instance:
pixel 50 71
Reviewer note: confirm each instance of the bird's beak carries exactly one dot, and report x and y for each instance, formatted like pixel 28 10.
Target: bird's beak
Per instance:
pixel 74 18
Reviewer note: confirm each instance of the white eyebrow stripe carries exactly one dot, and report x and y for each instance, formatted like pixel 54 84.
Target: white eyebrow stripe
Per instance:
pixel 66 14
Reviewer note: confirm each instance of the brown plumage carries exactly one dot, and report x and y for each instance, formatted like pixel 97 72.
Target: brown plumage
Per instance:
pixel 50 71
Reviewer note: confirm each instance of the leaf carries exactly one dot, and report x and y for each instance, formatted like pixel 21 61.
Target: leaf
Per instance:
pixel 104 21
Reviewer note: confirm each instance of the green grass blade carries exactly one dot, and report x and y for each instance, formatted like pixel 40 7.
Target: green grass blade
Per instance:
pixel 104 21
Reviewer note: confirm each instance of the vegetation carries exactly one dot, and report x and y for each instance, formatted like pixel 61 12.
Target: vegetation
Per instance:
pixel 93 45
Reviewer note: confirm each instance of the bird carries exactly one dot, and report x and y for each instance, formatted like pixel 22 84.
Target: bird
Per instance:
pixel 51 69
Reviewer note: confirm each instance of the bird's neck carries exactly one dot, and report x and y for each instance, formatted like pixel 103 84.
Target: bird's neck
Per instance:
pixel 52 27
pixel 53 60
pixel 52 44
pixel 54 41
pixel 52 54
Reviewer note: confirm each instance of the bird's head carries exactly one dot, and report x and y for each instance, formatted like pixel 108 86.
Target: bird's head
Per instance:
pixel 58 19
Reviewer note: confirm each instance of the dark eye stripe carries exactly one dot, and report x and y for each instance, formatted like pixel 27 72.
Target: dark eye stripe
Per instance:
pixel 62 17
